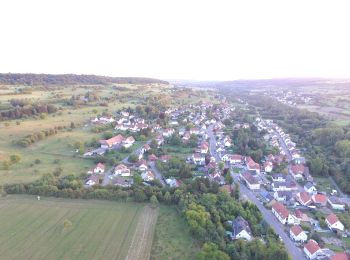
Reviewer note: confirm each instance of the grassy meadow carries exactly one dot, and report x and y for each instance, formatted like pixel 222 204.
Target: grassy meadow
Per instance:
pixel 70 229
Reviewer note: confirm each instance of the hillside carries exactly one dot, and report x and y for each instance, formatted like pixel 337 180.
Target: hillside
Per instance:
pixel 70 79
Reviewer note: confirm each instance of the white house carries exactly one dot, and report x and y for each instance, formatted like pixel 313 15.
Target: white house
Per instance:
pixel 310 188
pixel 312 249
pixel 100 168
pixel 92 180
pixel 147 176
pixel 251 181
pixel 122 170
pixel 128 142
pixel 335 203
pixel 333 222
pixel 241 229
pixel 297 234
pixel 282 213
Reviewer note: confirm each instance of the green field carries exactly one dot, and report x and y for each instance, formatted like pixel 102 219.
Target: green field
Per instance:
pixel 172 239
pixel 32 229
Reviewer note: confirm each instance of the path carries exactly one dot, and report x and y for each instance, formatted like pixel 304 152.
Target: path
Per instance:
pixel 141 244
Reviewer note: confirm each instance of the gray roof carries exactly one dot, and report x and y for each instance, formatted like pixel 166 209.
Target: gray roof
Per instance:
pixel 240 224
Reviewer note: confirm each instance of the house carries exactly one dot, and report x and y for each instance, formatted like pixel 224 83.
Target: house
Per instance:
pixel 241 229
pixel 300 172
pixel 283 196
pixel 198 159
pixel 146 147
pixel 251 165
pixel 227 141
pixel 310 188
pixel 297 234
pixel 235 159
pixel 159 139
pixel 122 170
pixel 128 142
pixel 194 131
pixel 319 199
pixel 147 176
pixel 142 165
pixel 168 132
pixel 172 182
pixel 250 180
pixel 301 216
pixel 284 186
pixel 268 166
pixel 100 168
pixel 152 158
pixel 338 256
pixel 92 180
pixel 304 198
pixel 333 222
pixel 282 213
pixel 164 158
pixel 278 177
pixel 312 249
pixel 335 203
pixel 204 147
pixel 116 140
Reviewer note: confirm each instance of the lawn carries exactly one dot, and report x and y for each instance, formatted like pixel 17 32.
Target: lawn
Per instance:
pixel 172 239
pixel 32 229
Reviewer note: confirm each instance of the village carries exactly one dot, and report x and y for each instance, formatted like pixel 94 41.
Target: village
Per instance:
pixel 280 185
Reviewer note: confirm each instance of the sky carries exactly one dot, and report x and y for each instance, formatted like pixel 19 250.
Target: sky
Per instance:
pixel 192 39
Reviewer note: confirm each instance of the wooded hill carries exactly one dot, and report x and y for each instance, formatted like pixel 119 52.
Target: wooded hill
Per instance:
pixel 70 79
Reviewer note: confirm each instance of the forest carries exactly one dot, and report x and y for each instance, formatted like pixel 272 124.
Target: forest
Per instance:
pixel 70 79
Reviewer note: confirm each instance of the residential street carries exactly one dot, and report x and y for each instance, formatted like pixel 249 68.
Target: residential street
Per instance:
pixel 292 249
pixel 157 174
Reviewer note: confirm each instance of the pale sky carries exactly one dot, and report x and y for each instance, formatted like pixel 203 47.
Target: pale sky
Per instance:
pixel 191 39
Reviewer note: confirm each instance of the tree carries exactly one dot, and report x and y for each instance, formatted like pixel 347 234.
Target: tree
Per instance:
pixel 137 179
pixel 343 148
pixel 133 158
pixel 154 201
pixel 210 251
pixel 15 158
pixel 228 178
pixel 167 197
pixel 6 165
pixel 67 224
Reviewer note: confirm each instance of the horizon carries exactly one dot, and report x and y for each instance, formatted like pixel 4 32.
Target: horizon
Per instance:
pixel 231 40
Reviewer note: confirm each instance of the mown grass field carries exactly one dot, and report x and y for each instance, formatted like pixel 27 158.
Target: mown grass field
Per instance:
pixel 172 239
pixel 32 229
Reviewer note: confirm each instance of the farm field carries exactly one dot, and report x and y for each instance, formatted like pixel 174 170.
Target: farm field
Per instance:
pixel 32 229
pixel 172 241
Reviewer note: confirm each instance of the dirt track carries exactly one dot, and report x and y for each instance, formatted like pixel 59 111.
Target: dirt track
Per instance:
pixel 141 244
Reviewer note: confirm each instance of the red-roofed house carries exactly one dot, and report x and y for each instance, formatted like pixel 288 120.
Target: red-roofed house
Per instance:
pixel 251 181
pixel 100 168
pixel 282 213
pixel 122 170
pixel 251 165
pixel 128 142
pixel 312 249
pixel 319 199
pixel 297 234
pixel 333 222
pixel 204 147
pixel 112 141
pixel 339 256
pixel 304 198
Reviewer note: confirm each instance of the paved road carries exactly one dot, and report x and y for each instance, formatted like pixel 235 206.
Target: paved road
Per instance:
pixel 157 174
pixel 292 249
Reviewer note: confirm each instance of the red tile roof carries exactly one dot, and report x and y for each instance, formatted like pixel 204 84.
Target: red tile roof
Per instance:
pixel 281 209
pixel 319 198
pixel 296 230
pixel 312 246
pixel 305 197
pixel 332 218
pixel 340 256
